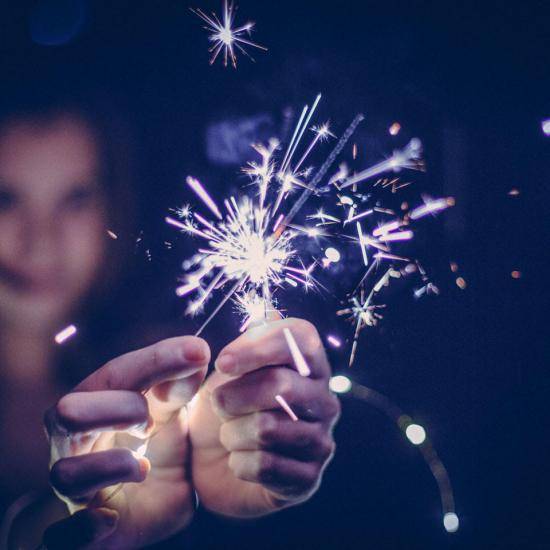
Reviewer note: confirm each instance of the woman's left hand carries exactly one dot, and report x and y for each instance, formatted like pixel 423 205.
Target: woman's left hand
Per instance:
pixel 249 457
pixel 126 500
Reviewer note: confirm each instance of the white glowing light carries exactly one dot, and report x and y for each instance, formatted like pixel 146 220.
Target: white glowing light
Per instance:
pixel 196 185
pixel 286 407
pixel 112 234
pixel 546 126
pixel 416 434
pixel 333 341
pixel 400 236
pixel 332 255
pixel 225 36
pixel 431 207
pixel 65 334
pixel 299 361
pixel 340 384
pixel 451 522
pixel 141 450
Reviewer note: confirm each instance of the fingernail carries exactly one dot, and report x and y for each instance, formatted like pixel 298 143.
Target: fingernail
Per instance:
pixel 195 350
pixel 226 363
pixel 144 466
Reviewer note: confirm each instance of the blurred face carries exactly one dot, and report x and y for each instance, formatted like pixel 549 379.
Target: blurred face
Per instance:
pixel 52 220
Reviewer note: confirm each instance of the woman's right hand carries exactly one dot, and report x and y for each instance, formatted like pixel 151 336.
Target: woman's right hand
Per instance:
pixel 125 500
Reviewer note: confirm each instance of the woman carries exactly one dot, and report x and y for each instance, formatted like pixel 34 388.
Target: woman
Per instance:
pixel 248 457
pixel 64 170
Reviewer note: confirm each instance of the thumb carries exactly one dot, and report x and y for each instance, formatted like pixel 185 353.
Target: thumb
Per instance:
pixel 166 398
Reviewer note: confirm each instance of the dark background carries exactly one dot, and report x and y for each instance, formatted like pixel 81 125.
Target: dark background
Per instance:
pixel 469 78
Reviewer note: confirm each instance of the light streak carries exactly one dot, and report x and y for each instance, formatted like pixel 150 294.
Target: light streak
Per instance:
pixel 286 407
pixel 299 360
pixel 409 158
pixel 65 334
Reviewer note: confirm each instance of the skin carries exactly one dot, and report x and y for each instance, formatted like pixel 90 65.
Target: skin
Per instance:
pixel 248 457
pixel 143 392
pixel 52 221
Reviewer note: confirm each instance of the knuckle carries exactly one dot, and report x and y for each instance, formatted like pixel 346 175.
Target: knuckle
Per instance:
pixel 266 467
pixel 267 430
pixel 311 476
pixel 219 400
pixel 307 337
pixel 226 436
pixel 326 448
pixel 65 412
pixel 280 380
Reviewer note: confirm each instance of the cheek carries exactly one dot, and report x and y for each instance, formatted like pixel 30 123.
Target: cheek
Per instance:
pixel 85 250
pixel 10 230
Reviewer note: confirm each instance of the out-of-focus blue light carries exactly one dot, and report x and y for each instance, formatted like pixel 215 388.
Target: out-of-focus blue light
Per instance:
pixel 56 22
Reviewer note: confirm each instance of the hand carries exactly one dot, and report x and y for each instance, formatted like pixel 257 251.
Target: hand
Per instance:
pixel 133 400
pixel 249 458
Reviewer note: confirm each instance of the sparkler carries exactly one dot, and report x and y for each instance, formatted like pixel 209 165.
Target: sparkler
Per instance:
pixel 252 246
pixel 225 36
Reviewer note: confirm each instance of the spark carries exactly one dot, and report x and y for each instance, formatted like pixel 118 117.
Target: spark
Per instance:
pixel 65 334
pixel 409 158
pixel 395 128
pixel 225 36
pixel 334 341
pixel 431 206
pixel 286 407
pixel 299 360
pixel 112 234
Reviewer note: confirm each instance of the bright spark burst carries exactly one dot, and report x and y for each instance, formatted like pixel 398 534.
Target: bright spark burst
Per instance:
pixel 252 249
pixel 225 36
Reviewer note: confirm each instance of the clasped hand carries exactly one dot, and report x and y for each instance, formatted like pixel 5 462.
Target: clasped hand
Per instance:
pixel 234 445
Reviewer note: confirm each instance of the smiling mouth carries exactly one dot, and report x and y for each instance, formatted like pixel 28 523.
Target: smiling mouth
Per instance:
pixel 22 283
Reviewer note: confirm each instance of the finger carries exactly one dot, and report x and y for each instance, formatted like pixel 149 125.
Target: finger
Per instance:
pixel 267 345
pixel 141 369
pixel 81 477
pixel 256 391
pixel 284 476
pixel 274 431
pixel 101 410
pixel 167 397
pixel 83 528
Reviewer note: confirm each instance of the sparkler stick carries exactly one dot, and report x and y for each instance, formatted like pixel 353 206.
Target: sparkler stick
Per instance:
pixel 320 174
pixel 292 148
